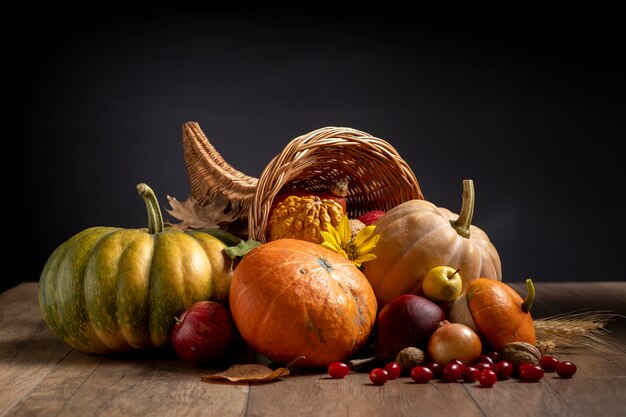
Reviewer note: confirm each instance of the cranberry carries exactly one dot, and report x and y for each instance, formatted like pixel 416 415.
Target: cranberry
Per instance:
pixel 487 378
pixel 421 374
pixel 549 363
pixel 452 372
pixel 393 369
pixel 458 362
pixel 435 368
pixel 495 356
pixel 470 374
pixel 504 370
pixel 485 365
pixel 379 376
pixel 338 370
pixel 484 359
pixel 529 372
pixel 565 369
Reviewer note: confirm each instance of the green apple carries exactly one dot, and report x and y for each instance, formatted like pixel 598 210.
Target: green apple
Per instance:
pixel 442 284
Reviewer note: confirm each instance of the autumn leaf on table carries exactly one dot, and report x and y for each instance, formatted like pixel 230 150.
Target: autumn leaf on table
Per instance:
pixel 194 216
pixel 247 373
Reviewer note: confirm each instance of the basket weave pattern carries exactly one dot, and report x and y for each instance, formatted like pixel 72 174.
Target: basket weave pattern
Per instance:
pixel 378 177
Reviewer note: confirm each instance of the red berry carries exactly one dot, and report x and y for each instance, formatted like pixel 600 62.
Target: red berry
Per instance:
pixel 549 363
pixel 421 374
pixel 435 368
pixel 484 359
pixel 529 372
pixel 485 365
pixel 504 370
pixel 393 369
pixel 452 372
pixel 565 369
pixel 379 376
pixel 470 374
pixel 487 378
pixel 495 356
pixel 338 370
pixel 458 362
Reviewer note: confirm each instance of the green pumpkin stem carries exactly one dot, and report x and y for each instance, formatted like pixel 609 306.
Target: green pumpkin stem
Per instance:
pixel 155 218
pixel 530 296
pixel 462 224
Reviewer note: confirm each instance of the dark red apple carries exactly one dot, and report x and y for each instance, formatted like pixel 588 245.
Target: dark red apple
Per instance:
pixel 203 333
pixel 370 217
pixel 407 320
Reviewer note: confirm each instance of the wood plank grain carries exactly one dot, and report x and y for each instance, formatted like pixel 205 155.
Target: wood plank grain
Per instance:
pixel 28 350
pixel 40 375
pixel 318 395
pixel 595 390
pixel 129 385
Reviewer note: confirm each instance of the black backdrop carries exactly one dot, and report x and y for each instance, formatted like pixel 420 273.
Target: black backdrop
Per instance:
pixel 531 109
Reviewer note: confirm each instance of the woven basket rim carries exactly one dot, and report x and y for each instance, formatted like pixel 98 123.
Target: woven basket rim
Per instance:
pixel 303 153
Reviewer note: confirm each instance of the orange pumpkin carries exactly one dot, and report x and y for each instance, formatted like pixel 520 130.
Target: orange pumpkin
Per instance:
pixel 500 314
pixel 417 236
pixel 292 298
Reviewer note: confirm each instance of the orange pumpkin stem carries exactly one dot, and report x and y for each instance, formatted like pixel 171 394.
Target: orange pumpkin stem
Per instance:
pixel 530 296
pixel 463 223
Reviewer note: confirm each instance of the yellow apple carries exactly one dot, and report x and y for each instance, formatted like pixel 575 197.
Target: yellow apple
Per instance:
pixel 442 284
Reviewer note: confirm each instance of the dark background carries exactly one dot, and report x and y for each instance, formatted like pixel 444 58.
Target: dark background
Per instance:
pixel 531 108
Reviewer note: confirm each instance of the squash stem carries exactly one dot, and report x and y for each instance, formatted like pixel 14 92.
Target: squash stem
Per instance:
pixel 530 296
pixel 462 224
pixel 155 218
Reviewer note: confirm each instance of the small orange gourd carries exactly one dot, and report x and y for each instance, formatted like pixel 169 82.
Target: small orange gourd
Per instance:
pixel 417 236
pixel 292 298
pixel 500 314
pixel 303 217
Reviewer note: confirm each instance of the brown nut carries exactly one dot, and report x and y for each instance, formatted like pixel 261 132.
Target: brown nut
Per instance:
pixel 410 357
pixel 355 226
pixel 521 352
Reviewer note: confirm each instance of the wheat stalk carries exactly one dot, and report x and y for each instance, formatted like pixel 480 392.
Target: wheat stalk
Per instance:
pixel 578 329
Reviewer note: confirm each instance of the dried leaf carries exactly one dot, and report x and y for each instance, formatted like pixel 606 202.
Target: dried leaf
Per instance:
pixel 241 248
pixel 194 216
pixel 247 373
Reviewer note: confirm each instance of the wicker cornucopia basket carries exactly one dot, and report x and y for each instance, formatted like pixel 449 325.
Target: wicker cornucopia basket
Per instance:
pixel 378 177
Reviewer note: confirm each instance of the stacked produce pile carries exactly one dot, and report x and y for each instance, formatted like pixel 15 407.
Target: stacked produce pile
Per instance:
pixel 416 285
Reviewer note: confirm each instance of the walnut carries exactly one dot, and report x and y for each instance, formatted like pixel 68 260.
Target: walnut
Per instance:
pixel 410 357
pixel 521 352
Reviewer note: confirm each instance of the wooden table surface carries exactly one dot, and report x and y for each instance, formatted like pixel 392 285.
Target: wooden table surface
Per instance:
pixel 40 376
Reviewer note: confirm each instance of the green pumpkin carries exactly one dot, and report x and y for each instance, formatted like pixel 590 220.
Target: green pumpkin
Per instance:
pixel 110 289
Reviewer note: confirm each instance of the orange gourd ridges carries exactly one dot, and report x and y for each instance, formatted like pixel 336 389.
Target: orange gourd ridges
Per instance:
pixel 292 298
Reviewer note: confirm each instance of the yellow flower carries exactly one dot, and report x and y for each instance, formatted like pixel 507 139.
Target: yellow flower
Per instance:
pixel 356 249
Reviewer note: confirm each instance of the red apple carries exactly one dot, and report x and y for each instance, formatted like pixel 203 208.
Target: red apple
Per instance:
pixel 203 333
pixel 407 320
pixel 371 216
